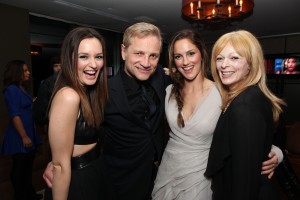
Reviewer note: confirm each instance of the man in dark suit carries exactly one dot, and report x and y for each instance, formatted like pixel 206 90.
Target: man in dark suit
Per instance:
pixel 134 142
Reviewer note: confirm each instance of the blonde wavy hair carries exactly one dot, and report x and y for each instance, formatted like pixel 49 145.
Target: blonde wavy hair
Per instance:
pixel 246 45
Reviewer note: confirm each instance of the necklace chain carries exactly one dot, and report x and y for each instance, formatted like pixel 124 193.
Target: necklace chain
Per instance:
pixel 226 108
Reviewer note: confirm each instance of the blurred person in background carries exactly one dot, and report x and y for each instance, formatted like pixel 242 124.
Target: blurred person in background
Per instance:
pixel 20 138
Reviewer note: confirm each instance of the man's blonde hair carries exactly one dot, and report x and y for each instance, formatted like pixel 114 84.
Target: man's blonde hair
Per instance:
pixel 141 30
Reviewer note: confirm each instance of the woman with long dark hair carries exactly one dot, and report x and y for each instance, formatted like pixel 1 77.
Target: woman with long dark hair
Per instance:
pixel 75 116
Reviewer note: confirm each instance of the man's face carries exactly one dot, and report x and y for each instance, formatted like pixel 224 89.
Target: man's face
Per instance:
pixel 56 67
pixel 141 57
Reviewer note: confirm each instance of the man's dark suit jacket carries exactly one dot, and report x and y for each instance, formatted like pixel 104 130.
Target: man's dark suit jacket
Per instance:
pixel 129 146
pixel 40 105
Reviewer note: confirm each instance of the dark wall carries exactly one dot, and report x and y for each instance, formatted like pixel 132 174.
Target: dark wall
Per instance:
pixel 14 40
pixel 287 87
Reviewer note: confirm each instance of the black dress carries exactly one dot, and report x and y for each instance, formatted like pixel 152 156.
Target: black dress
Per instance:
pixel 89 179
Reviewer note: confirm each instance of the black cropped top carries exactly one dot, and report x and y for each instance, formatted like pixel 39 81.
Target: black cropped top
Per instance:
pixel 83 133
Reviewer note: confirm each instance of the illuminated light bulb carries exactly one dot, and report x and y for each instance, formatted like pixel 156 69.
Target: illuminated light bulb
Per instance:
pixel 229 11
pixel 192 8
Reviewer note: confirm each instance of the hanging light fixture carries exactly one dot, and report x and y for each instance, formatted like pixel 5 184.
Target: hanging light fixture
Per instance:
pixel 214 14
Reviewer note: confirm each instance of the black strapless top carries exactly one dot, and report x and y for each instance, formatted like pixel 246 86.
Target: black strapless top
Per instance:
pixel 83 133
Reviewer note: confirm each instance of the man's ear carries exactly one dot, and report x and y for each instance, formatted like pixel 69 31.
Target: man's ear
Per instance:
pixel 123 51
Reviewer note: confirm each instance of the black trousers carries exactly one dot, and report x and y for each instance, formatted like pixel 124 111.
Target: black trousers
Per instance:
pixel 21 176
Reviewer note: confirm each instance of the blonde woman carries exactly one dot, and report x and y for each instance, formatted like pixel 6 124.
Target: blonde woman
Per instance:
pixel 244 132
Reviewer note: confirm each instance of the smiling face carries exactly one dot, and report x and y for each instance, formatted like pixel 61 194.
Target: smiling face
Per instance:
pixel 232 68
pixel 141 57
pixel 90 61
pixel 187 59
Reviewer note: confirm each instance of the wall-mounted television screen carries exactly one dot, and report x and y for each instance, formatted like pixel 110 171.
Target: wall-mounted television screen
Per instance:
pixel 282 64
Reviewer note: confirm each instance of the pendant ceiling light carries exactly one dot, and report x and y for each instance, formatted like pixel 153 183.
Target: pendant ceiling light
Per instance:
pixel 215 14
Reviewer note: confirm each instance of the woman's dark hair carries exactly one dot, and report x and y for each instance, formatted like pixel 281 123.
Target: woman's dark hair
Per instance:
pixel 68 76
pixel 13 73
pixel 195 38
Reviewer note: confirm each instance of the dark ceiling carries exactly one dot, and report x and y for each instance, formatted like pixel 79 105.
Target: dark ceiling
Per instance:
pixel 269 18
